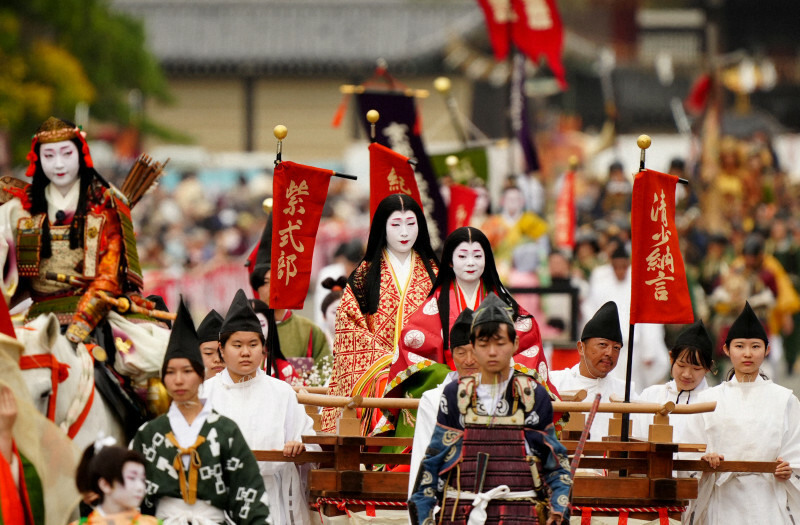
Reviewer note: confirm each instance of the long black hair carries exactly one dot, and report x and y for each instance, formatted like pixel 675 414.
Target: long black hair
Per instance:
pixel 273 342
pixel 365 279
pixel 446 276
pixel 36 194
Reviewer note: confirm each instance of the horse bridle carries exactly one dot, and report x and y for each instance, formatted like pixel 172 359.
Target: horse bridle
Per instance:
pixel 58 374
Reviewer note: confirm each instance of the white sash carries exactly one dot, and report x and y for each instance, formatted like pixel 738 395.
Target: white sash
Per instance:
pixel 175 511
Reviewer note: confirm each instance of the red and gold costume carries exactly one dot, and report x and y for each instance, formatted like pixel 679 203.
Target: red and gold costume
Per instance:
pixel 365 343
pixel 66 281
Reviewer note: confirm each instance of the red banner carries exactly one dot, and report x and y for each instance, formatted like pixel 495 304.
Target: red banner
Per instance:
pixel 498 17
pixel 462 204
pixel 659 291
pixel 389 173
pixel 299 194
pixel 565 213
pixel 537 30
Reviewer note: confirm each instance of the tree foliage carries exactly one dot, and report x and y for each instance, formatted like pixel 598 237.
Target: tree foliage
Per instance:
pixel 57 53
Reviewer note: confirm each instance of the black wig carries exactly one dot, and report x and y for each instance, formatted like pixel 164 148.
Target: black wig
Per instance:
pixel 363 281
pixel 446 276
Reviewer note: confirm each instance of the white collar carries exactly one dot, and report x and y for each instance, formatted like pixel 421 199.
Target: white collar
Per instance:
pixel 402 269
pixel 57 202
pixel 758 379
pixel 228 382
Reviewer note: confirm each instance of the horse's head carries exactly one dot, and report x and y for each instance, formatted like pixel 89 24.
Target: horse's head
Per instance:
pixel 46 364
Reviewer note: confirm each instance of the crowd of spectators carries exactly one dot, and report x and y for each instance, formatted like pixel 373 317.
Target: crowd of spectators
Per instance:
pixel 738 222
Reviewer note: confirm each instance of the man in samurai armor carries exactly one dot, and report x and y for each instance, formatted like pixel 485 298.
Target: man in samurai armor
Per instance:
pixel 494 456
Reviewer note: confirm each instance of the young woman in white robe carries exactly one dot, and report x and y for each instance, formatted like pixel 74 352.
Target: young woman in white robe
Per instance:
pixel 755 420
pixel 265 408
pixel 691 359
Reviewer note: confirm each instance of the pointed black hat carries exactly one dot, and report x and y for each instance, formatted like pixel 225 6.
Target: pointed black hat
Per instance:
pixel 492 309
pixel 263 256
pixel 241 317
pixel 209 327
pixel 696 336
pixel 747 326
pixel 604 323
pixel 183 342
pixel 459 334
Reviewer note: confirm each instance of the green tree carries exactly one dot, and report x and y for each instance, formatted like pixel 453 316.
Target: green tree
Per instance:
pixel 57 53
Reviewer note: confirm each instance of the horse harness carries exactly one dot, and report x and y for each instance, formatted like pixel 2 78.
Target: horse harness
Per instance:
pixel 83 401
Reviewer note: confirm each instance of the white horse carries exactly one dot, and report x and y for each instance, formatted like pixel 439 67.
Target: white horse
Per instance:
pixel 60 379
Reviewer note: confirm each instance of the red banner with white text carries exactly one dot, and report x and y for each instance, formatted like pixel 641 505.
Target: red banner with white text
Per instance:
pixel 659 291
pixel 462 204
pixel 298 194
pixel 389 173
pixel 537 30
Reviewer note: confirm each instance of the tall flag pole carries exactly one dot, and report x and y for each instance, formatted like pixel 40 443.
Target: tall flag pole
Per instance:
pixel 443 86
pixel 659 290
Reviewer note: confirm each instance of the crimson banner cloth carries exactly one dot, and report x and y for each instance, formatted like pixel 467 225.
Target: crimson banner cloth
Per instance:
pixel 389 173
pixel 565 213
pixel 299 194
pixel 536 29
pixel 462 204
pixel 498 17
pixel 399 129
pixel 659 291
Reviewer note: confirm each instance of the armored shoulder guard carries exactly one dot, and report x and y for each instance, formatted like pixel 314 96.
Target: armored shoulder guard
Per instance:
pixel 525 388
pixel 11 187
pixel 466 389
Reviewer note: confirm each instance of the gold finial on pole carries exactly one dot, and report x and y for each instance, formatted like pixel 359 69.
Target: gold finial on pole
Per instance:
pixel 573 162
pixel 372 117
pixel 643 142
pixel 442 85
pixel 266 205
pixel 280 133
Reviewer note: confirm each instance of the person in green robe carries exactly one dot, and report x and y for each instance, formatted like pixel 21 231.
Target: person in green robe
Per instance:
pixel 199 467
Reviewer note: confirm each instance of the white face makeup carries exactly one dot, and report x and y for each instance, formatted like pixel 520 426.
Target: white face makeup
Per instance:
pixel 330 316
pixel 401 232
pixel 60 163
pixel 469 260
pixel 264 325
pixel 129 494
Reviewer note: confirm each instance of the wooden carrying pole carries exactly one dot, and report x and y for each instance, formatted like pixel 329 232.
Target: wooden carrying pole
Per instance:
pixel 558 406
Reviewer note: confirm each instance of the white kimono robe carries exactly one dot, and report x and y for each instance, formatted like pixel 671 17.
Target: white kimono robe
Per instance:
pixel 571 379
pixel 268 414
pixel 423 429
pixel 661 394
pixel 757 421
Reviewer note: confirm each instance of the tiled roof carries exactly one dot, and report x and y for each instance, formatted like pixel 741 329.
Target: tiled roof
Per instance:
pixel 300 36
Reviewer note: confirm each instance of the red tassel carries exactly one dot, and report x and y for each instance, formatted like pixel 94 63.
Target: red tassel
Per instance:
pixel 337 118
pixel 32 158
pixel 623 518
pixel 586 516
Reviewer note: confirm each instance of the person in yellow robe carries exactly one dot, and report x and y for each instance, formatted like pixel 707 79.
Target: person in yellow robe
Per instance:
pixel 391 282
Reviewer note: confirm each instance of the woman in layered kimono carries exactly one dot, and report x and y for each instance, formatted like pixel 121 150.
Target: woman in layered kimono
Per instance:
pixel 390 283
pixel 755 420
pixel 423 358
